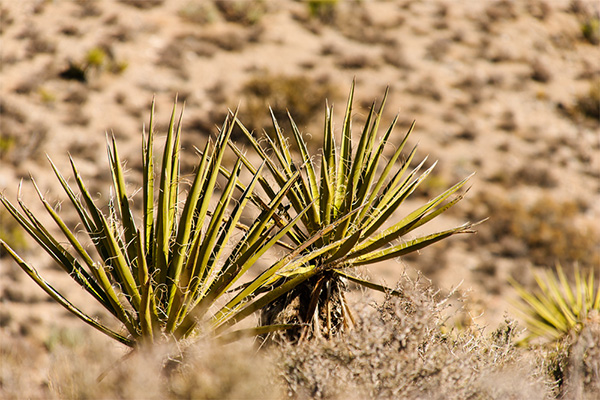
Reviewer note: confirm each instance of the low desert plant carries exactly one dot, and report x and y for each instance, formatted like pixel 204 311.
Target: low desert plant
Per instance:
pixel 559 308
pixel 544 231
pixel 96 59
pixel 167 278
pixel 280 92
pixel 325 10
pixel 589 104
pixel 243 12
pixel 590 29
pixel 359 191
pixel 402 349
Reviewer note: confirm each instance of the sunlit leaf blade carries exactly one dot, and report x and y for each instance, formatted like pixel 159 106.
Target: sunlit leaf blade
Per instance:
pixel 307 161
pixel 147 311
pixel 166 207
pixel 407 247
pixel 107 245
pixel 102 288
pixel 58 253
pixel 368 284
pixel 343 167
pixel 148 188
pixel 182 243
pixel 127 220
pixel 33 274
pixel 412 221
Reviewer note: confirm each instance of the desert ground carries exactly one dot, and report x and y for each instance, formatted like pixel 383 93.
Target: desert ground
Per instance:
pixel 509 90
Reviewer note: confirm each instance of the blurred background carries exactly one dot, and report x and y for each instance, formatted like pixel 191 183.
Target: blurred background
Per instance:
pixel 507 89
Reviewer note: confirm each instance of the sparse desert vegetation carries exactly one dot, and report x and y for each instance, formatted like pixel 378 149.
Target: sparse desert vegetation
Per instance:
pixel 504 88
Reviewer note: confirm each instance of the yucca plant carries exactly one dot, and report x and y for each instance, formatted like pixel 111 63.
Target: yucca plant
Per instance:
pixel 360 190
pixel 168 273
pixel 558 308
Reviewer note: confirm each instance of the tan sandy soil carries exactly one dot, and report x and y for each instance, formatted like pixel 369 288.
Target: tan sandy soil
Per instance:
pixel 493 86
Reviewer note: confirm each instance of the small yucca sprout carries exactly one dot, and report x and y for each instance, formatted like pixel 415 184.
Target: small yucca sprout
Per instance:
pixel 557 308
pixel 164 274
pixel 355 188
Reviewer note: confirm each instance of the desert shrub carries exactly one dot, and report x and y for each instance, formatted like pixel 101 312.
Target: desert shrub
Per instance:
pixel 354 61
pixel 198 13
pixel 534 174
pixel 302 95
pixel 38 44
pixel 590 29
pixel 394 55
pixel 6 19
pixel 589 103
pixel 95 60
pixel 324 10
pixel 544 231
pixel 539 9
pixel 203 370
pixel 501 10
pixel 438 49
pixel 582 380
pixel 540 71
pixel 508 121
pixel 427 87
pixel 143 4
pixel 21 357
pixel 20 137
pixel 402 349
pixel 242 12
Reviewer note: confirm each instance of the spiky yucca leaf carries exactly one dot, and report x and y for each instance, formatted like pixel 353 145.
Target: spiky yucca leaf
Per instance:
pixel 354 186
pixel 163 277
pixel 558 308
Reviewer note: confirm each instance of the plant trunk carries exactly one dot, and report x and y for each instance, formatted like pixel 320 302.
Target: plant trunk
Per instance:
pixel 318 306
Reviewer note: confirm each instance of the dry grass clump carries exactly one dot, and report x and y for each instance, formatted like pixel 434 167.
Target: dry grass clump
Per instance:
pixel 203 370
pixel 574 363
pixel 242 12
pixel 583 365
pixel 545 232
pixel 143 4
pixel 536 174
pixel 540 71
pixel 393 54
pixel 438 49
pixel 501 10
pixel 95 61
pixel 281 93
pixel 6 19
pixel 402 349
pixel 198 13
pixel 20 360
pixel 14 146
pixel 589 103
pixel 539 9
pixel 590 30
